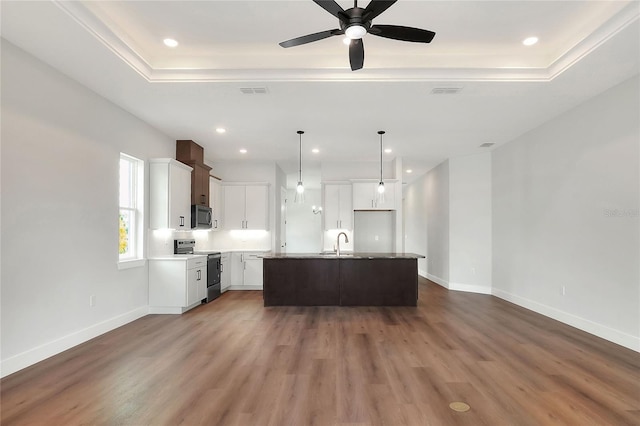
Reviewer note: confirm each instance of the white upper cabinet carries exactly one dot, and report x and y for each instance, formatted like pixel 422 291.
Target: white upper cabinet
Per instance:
pixel 216 203
pixel 337 206
pixel 169 194
pixel 246 206
pixel 365 195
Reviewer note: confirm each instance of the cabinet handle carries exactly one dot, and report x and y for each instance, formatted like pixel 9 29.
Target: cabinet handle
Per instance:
pixel 204 199
pixel 216 224
pixel 198 278
pixel 181 220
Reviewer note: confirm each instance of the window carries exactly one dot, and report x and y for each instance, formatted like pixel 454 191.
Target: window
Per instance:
pixel 130 225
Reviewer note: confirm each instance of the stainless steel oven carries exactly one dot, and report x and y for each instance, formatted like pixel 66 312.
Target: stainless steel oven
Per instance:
pixel 214 270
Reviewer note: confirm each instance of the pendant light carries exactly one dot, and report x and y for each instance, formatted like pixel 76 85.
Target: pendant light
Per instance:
pixel 299 198
pixel 381 183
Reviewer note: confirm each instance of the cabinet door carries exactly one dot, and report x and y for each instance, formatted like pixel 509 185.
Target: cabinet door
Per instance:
pixel 257 207
pixel 194 278
pixel 364 195
pixel 200 185
pixel 225 276
pixel 237 269
pixel 331 209
pixel 234 205
pixel 346 207
pixel 215 200
pixel 202 284
pixel 252 271
pixel 179 198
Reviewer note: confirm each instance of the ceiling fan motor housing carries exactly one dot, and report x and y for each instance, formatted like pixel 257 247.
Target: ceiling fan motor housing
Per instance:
pixel 352 17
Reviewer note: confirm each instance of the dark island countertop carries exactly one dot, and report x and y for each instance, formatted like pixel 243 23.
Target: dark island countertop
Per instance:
pixel 343 255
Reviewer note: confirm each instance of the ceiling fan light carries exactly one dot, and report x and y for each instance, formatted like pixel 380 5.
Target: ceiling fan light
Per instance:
pixel 355 32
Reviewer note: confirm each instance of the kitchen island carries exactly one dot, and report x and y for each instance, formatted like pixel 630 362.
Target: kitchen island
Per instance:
pixel 355 279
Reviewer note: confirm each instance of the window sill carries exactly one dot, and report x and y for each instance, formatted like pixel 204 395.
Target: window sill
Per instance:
pixel 134 263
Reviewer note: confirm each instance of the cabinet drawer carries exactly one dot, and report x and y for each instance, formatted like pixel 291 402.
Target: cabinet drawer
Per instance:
pixel 197 263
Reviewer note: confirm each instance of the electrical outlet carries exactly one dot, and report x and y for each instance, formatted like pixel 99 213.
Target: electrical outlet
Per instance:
pixel 92 300
pixel 473 271
pixel 564 290
pixel 376 238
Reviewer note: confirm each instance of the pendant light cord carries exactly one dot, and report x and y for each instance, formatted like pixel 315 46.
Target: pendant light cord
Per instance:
pixel 300 132
pixel 381 132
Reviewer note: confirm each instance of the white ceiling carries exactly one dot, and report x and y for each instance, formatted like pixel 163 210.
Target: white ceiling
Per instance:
pixel 115 48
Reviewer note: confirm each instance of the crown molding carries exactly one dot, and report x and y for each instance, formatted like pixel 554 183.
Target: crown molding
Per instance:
pixel 101 31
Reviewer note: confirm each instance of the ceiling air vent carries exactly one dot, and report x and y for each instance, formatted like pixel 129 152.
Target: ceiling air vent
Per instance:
pixel 254 90
pixel 487 144
pixel 446 90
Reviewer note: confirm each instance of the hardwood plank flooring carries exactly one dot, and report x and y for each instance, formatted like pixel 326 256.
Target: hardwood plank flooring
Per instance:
pixel 235 362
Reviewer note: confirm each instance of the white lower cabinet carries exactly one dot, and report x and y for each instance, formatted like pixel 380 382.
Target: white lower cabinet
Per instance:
pixel 246 271
pixel 176 285
pixel 225 273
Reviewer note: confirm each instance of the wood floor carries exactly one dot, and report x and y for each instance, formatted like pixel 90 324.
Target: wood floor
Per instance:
pixel 234 362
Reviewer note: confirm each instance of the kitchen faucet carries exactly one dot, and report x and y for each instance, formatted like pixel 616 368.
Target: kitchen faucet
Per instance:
pixel 346 240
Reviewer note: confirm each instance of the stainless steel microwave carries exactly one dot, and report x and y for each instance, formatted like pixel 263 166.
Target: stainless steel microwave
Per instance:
pixel 200 217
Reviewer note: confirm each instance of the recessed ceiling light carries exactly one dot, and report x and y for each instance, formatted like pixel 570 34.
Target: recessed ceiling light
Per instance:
pixel 170 42
pixel 315 150
pixel 221 130
pixel 409 171
pixel 243 151
pixel 530 41
pixel 388 150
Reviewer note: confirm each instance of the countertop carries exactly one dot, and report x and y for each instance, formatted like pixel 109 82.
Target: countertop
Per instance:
pixel 232 251
pixel 179 257
pixel 344 255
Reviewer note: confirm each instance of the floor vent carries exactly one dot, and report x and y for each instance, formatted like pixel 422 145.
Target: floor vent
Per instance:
pixel 487 144
pixel 254 90
pixel 446 90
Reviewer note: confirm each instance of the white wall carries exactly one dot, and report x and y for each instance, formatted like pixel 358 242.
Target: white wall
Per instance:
pixel 60 156
pixel 415 221
pixel 436 186
pixel 565 214
pixel 304 229
pixel 470 223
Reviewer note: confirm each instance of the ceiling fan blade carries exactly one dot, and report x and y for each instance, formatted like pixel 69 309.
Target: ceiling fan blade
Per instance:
pixel 356 54
pixel 310 37
pixel 376 7
pixel 330 6
pixel 397 32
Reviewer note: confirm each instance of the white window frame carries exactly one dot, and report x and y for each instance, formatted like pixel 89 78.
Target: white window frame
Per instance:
pixel 136 237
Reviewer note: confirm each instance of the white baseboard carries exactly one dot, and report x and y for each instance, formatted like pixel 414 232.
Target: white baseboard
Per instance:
pixel 438 280
pixel 422 273
pixel 245 287
pixel 470 288
pixel 607 333
pixel 42 352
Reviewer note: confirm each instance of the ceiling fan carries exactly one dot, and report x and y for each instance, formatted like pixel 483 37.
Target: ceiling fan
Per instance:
pixel 355 23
